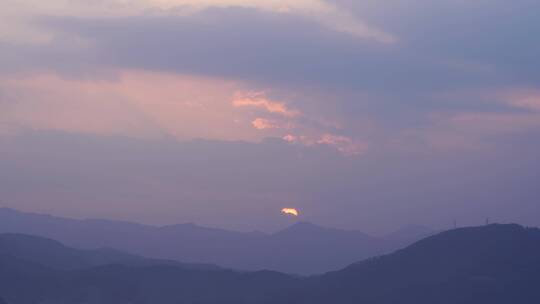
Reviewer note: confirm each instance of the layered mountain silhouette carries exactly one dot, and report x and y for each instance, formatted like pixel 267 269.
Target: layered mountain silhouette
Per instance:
pixel 54 254
pixel 490 264
pixel 303 248
pixel 37 270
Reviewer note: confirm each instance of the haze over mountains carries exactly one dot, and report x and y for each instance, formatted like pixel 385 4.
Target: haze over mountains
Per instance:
pixel 493 264
pixel 54 254
pixel 303 248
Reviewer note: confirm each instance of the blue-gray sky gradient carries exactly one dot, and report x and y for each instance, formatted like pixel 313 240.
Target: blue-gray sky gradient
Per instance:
pixel 363 115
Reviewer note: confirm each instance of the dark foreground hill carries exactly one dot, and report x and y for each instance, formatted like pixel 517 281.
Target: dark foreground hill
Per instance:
pixel 34 270
pixel 489 264
pixel 303 248
pixel 493 264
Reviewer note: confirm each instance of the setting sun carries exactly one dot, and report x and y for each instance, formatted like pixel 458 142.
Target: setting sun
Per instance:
pixel 290 211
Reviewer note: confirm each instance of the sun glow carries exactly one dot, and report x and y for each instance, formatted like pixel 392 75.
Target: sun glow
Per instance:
pixel 290 211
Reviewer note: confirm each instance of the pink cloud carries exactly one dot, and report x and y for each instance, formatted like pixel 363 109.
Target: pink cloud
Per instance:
pixel 480 129
pixel 290 138
pixel 150 104
pixel 344 144
pixel 528 100
pixel 262 124
pixel 134 103
pixel 259 100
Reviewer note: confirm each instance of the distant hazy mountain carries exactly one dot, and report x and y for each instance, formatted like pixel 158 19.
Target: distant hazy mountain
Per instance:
pixel 495 264
pixel 303 248
pixel 50 253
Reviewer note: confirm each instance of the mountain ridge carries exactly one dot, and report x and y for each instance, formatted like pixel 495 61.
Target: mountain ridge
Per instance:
pixel 496 264
pixel 54 254
pixel 302 248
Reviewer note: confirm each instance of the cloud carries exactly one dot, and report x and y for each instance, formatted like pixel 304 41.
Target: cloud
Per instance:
pixel 530 103
pixel 343 144
pixel 526 99
pixel 290 138
pixel 328 14
pixel 295 127
pixel 320 11
pixel 250 45
pixel 263 124
pixel 133 103
pixel 263 41
pixel 258 100
pixel 314 72
pixel 468 131
pixel 150 105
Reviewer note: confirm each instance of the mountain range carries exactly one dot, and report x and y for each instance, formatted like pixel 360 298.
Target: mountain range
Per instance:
pixel 493 264
pixel 302 248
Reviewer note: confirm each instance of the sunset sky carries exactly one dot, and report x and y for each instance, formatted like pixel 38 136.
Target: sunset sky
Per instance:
pixel 364 115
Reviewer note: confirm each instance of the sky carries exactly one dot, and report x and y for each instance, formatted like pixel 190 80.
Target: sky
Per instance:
pixel 365 115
